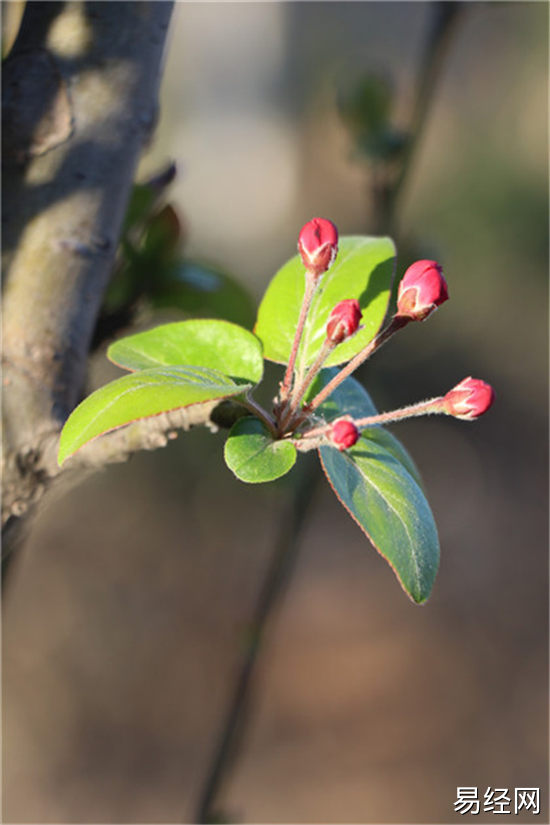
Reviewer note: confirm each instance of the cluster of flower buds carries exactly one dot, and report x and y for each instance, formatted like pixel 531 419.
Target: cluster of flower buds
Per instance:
pixel 421 291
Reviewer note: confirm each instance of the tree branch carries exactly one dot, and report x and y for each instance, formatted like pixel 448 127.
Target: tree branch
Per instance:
pixel 388 184
pixel 444 16
pixel 277 577
pixel 80 91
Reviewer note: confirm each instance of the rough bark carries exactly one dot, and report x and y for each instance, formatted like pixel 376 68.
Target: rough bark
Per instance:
pixel 79 101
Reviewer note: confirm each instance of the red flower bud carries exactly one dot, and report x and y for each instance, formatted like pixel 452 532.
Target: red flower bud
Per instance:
pixel 469 399
pixel 318 245
pixel 422 289
pixel 344 434
pixel 343 320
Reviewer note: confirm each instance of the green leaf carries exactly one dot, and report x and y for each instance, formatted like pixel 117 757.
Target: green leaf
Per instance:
pixel 141 395
pixel 252 454
pixel 363 270
pixel 201 289
pixel 162 235
pixel 390 508
pixel 217 345
pixel 351 398
pixel 142 199
pixel 144 196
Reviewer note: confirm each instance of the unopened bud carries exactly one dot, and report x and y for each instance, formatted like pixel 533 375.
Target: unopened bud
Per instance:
pixel 343 320
pixel 422 289
pixel 469 399
pixel 344 434
pixel 318 245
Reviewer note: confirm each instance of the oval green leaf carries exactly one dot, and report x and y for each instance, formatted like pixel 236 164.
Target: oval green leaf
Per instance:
pixel 363 270
pixel 351 398
pixel 391 509
pixel 141 395
pixel 213 344
pixel 252 454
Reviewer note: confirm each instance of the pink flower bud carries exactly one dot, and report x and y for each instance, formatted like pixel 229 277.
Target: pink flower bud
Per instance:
pixel 469 399
pixel 422 289
pixel 343 320
pixel 344 434
pixel 318 245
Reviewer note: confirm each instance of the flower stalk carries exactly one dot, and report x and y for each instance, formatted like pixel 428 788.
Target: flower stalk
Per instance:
pixel 303 385
pixel 343 322
pixel 327 434
pixel 429 407
pixel 468 400
pixel 396 323
pixel 286 386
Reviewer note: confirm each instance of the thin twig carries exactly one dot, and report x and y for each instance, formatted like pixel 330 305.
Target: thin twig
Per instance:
pixel 276 577
pixel 443 19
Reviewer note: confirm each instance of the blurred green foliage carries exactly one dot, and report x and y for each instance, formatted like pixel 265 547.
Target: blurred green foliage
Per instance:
pixel 366 107
pixel 152 268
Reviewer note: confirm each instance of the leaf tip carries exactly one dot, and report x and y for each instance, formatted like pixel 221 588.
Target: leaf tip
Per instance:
pixel 418 599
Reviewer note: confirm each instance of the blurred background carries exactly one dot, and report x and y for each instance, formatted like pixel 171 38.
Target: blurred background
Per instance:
pixel 129 607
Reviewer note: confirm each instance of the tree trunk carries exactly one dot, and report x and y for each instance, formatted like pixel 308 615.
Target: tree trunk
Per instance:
pixel 80 99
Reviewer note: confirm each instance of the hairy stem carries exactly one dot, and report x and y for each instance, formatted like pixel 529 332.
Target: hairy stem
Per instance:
pixel 311 284
pixel 396 323
pixel 429 407
pixel 303 385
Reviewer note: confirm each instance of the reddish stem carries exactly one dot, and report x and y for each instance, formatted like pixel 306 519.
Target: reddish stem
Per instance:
pixel 397 322
pixel 433 405
pixel 311 284
pixel 301 388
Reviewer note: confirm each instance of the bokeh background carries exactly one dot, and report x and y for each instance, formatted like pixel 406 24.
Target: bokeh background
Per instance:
pixel 127 611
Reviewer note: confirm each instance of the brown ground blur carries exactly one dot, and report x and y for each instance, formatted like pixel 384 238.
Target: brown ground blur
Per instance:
pixel 127 609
